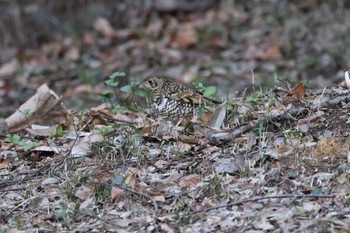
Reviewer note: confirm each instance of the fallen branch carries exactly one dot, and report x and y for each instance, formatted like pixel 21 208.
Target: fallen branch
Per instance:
pixel 220 138
pixel 254 199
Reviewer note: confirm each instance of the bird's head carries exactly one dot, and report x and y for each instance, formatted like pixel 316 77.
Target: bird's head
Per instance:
pixel 153 83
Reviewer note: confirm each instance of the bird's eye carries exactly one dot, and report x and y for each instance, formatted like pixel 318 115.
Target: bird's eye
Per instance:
pixel 150 82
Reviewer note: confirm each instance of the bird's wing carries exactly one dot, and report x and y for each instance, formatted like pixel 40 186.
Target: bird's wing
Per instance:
pixel 191 97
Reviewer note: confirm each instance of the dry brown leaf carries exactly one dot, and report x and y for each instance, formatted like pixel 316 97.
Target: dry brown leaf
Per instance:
pixel 270 51
pixel 298 92
pixel 131 180
pixel 3 164
pixel 184 37
pixel 115 193
pixel 190 180
pixel 146 130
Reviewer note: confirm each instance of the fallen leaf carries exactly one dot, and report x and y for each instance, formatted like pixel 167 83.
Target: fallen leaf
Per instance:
pixel 3 164
pixel 72 54
pixel 83 192
pixel 189 180
pixel 298 92
pixel 183 147
pixel 9 68
pixel 115 193
pixel 103 26
pixel 131 180
pixel 159 198
pixel 184 36
pixel 218 116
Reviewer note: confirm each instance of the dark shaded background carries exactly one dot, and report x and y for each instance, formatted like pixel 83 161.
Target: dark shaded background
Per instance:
pixel 224 43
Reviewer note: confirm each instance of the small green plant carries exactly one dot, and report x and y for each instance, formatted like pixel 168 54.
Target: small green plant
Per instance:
pixel 25 113
pixel 118 108
pixel 60 132
pixel 17 141
pixel 254 96
pixel 208 92
pixel 132 88
pixel 106 130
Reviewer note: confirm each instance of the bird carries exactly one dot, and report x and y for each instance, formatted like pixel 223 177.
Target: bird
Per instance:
pixel 172 99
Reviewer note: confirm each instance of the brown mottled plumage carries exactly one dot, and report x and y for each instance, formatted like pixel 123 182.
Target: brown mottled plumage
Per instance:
pixel 172 99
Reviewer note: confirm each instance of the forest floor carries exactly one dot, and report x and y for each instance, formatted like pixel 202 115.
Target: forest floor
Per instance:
pixel 85 152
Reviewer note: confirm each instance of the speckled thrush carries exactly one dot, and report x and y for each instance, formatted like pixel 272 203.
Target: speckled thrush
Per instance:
pixel 172 99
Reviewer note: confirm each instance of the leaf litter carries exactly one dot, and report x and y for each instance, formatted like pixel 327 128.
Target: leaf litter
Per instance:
pixel 162 180
pixel 264 161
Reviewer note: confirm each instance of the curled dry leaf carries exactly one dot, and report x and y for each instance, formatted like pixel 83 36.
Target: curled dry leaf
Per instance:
pixel 298 92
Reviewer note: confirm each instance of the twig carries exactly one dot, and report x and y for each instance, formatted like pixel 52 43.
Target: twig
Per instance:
pixel 144 195
pixel 26 178
pixel 254 199
pixel 226 137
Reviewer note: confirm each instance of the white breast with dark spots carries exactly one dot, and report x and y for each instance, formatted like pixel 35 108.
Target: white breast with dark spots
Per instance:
pixel 169 106
pixel 160 105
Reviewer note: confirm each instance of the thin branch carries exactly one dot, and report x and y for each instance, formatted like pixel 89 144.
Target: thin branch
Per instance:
pixel 254 199
pixel 144 195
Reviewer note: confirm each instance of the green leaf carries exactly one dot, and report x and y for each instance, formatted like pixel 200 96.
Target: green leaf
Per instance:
pixel 117 74
pixel 111 83
pixel 15 139
pixel 141 93
pixel 117 108
pixel 27 145
pixel 254 96
pixel 209 91
pixel 127 88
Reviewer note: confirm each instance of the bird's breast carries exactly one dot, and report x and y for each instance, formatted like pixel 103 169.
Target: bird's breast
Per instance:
pixel 161 104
